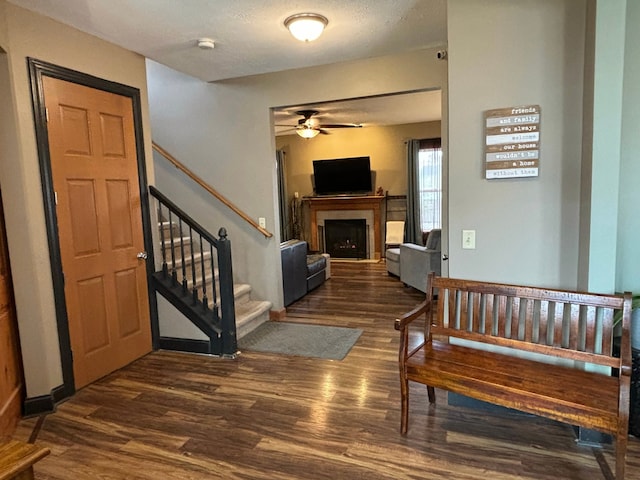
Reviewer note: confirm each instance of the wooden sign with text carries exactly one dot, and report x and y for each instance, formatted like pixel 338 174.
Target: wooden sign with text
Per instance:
pixel 512 142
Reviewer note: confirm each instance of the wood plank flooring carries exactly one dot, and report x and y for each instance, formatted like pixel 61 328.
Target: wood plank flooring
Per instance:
pixel 179 416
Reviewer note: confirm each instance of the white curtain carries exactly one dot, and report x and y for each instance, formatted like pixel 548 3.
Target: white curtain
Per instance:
pixel 430 184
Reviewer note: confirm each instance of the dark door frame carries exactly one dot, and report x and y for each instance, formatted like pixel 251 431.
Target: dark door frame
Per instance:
pixel 37 70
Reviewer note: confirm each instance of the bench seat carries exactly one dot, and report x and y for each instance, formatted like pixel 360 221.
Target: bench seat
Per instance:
pixel 561 393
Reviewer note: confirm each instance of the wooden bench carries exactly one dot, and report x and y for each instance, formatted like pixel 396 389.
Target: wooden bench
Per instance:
pixel 17 459
pixel 540 325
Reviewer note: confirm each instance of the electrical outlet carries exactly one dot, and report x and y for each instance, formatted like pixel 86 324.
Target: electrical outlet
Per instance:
pixel 262 222
pixel 468 239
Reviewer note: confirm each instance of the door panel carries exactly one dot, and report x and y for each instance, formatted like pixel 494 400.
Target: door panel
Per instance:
pixel 95 176
pixel 11 383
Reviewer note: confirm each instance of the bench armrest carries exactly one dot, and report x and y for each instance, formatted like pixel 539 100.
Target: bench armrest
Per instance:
pixel 409 317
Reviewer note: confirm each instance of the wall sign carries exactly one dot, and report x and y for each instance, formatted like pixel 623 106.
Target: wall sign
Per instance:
pixel 512 142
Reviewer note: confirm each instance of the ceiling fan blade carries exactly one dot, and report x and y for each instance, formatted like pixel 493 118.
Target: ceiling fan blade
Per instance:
pixel 323 132
pixel 339 125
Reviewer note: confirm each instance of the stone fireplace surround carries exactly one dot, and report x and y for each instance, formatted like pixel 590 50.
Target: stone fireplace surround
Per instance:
pixel 347 208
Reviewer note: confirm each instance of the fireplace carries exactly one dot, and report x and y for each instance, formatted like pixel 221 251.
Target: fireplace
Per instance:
pixel 346 238
pixel 368 207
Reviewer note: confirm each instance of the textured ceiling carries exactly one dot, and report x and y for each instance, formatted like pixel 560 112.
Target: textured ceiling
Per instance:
pixel 250 35
pixel 251 39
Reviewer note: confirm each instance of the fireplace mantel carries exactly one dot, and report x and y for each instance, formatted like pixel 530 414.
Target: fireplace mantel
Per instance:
pixel 371 203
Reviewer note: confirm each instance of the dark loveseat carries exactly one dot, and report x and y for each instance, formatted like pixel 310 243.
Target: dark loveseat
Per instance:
pixel 301 272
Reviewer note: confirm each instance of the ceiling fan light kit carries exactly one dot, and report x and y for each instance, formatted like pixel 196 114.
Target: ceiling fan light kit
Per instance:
pixel 310 128
pixel 307 132
pixel 306 27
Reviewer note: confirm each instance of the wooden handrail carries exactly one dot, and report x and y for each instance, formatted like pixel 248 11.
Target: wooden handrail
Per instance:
pixel 176 163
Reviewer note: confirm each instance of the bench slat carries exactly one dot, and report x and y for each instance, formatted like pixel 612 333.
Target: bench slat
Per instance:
pixel 607 332
pixel 544 324
pixel 574 324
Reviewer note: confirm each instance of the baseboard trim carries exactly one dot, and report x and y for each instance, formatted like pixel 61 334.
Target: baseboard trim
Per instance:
pixel 278 314
pixel 184 345
pixel 34 406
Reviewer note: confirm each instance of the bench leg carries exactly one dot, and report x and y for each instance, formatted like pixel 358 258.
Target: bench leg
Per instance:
pixel 404 415
pixel 431 392
pixel 621 454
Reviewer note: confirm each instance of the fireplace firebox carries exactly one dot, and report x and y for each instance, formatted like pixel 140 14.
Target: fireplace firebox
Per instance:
pixel 346 238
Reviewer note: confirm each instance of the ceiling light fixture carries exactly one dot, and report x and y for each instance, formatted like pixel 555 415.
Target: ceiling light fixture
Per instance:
pixel 305 131
pixel 306 27
pixel 206 44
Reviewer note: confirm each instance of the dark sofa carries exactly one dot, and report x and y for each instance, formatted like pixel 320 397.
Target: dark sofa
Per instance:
pixel 301 272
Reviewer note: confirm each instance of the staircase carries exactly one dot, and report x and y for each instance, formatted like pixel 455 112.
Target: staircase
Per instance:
pixel 195 276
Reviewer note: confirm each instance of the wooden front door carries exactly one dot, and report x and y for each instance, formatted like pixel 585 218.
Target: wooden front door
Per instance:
pixel 11 391
pixel 95 177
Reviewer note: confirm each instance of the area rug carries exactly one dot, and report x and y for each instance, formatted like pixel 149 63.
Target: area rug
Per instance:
pixel 315 341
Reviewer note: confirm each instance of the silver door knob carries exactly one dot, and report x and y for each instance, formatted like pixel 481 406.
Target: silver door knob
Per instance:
pixel 445 257
pixel 142 255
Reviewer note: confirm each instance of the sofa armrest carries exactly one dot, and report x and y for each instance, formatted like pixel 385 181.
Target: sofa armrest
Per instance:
pixel 415 264
pixel 294 270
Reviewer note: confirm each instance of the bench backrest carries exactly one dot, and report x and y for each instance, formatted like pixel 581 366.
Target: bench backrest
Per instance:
pixel 573 325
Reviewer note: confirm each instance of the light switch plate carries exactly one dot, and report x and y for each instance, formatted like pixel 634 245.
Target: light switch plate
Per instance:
pixel 469 239
pixel 262 222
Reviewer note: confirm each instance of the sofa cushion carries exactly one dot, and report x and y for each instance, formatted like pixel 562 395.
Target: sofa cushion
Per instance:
pixel 315 263
pixel 392 254
pixel 433 240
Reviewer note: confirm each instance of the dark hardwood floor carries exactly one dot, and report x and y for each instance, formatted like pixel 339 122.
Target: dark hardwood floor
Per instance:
pixel 180 416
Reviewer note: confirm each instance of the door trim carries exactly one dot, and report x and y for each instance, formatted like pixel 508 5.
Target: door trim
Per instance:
pixel 37 70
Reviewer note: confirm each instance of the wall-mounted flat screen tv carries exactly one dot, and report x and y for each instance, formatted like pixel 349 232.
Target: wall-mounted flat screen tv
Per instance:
pixel 342 176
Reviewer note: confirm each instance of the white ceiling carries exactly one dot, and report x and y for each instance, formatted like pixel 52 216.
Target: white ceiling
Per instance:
pixel 251 39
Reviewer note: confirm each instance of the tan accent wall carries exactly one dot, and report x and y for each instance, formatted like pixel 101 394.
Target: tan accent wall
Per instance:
pixel 384 145
pixel 32 35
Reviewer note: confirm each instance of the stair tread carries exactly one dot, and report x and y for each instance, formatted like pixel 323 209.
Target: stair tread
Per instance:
pixel 250 316
pixel 251 309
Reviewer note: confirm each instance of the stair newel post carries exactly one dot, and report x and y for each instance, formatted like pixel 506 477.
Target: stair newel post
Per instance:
pixel 227 302
pixel 214 295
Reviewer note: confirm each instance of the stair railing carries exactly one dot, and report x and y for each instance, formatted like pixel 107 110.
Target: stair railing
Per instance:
pixel 185 242
pixel 180 166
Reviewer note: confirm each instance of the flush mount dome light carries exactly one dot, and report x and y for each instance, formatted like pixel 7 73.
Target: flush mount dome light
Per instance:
pixel 206 44
pixel 306 27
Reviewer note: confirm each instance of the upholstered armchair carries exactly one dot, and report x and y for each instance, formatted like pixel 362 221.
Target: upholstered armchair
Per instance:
pixel 417 261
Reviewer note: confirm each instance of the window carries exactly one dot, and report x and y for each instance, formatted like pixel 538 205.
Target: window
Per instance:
pixel 430 184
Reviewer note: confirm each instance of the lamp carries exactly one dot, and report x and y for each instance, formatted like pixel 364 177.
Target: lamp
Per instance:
pixel 306 27
pixel 305 131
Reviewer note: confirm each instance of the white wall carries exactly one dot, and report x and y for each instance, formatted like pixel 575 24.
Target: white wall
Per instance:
pixel 628 259
pixel 223 131
pixel 501 54
pixel 605 148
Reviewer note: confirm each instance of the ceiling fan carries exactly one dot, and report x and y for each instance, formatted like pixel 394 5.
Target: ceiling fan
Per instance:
pixel 308 127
